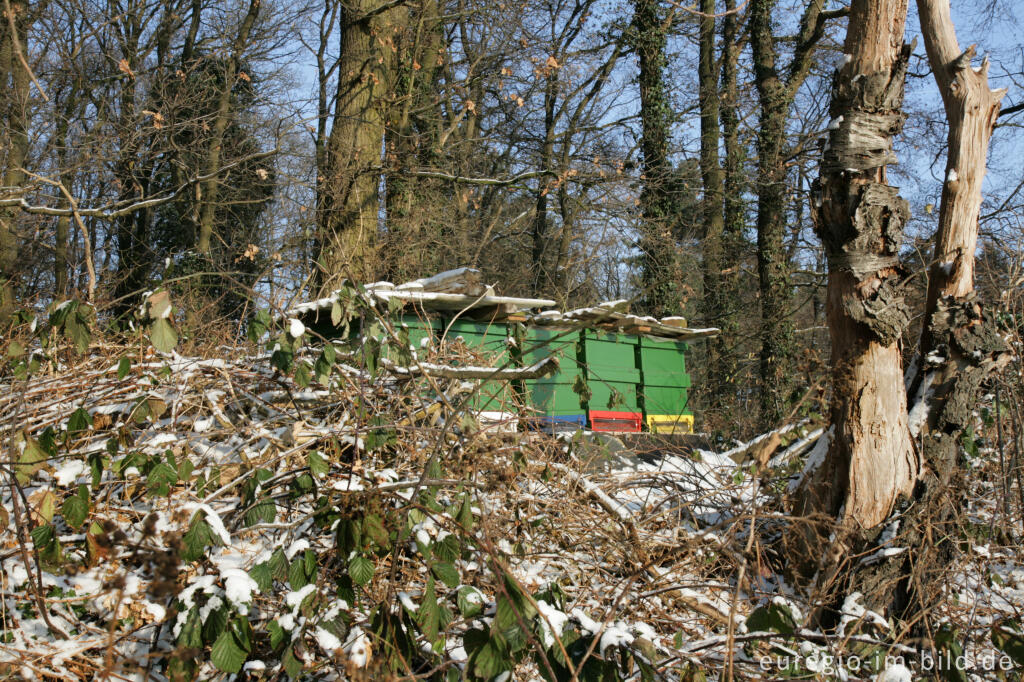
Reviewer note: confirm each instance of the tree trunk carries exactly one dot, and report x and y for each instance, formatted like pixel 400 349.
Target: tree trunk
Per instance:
pixel 410 143
pixel 772 268
pixel 871 460
pixel 734 213
pixel 712 200
pixel 775 96
pixel 60 243
pixel 131 230
pixel 971 110
pixel 14 79
pixel 210 187
pixel 968 343
pixel 542 274
pixel 350 206
pixel 659 276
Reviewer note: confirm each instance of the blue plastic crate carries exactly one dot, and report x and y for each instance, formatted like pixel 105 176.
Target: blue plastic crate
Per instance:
pixel 556 423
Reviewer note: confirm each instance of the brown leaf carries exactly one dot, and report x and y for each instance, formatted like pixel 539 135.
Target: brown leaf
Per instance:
pixel 126 68
pixel 42 504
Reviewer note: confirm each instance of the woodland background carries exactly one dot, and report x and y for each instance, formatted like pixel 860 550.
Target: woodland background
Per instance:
pixel 249 154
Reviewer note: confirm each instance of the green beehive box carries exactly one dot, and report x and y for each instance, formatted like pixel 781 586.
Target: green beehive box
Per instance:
pixel 421 335
pixel 553 395
pixel 664 399
pixel 490 339
pixel 665 380
pixel 613 375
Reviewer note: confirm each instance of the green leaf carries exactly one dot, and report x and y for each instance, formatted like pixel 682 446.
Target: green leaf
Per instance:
pixel 429 614
pixel 32 459
pixel 292 664
pixel 470 601
pixel 163 336
pixel 374 530
pixel 216 622
pixel 191 633
pixel 97 461
pixel 278 565
pixel 492 658
pixel 185 469
pixel 771 618
pixel 227 654
pixel 318 466
pixel 447 549
pixel 283 355
pixel 262 576
pixel 1009 637
pixel 447 574
pixel 76 508
pixel 278 635
pixel 198 537
pixel 258 326
pixel 76 328
pixel 44 537
pixel 264 511
pixel 950 651
pixel 15 350
pixel 465 517
pixel 124 366
pixel 303 570
pixel 80 420
pixel 161 478
pixel 303 376
pixel 360 569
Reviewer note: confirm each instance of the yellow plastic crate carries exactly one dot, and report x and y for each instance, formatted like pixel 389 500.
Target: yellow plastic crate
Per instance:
pixel 670 423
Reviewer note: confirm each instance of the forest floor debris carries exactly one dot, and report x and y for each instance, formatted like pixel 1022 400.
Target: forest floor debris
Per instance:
pixel 169 517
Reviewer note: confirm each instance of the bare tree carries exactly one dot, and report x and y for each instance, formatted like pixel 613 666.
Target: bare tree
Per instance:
pixel 879 453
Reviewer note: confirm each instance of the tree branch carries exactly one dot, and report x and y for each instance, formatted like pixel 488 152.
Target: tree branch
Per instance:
pixel 120 209
pixel 438 175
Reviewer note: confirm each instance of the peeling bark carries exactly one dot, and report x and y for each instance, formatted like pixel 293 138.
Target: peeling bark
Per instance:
pixel 871 461
pixel 971 108
pixel 962 344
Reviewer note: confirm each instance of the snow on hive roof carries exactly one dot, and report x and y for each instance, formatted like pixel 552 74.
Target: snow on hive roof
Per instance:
pixel 463 290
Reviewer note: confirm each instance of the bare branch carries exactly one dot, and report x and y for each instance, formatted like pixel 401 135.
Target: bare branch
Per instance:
pixel 438 175
pixel 117 210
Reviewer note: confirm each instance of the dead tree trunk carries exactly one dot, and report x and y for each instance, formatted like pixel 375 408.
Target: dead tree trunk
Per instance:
pixel 871 459
pixel 971 109
pixel 879 452
pixel 961 343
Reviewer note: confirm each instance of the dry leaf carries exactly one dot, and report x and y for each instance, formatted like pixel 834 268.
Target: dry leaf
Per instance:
pixel 126 68
pixel 42 505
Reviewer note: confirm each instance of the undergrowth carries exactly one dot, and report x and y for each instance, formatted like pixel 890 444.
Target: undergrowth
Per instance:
pixel 318 509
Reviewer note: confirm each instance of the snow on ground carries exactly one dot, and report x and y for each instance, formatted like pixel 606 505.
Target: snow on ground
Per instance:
pixel 303 518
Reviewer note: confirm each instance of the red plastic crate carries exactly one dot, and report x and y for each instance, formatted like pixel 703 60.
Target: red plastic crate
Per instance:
pixel 615 422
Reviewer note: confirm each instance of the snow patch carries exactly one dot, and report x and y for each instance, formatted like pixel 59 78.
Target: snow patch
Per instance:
pixel 552 622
